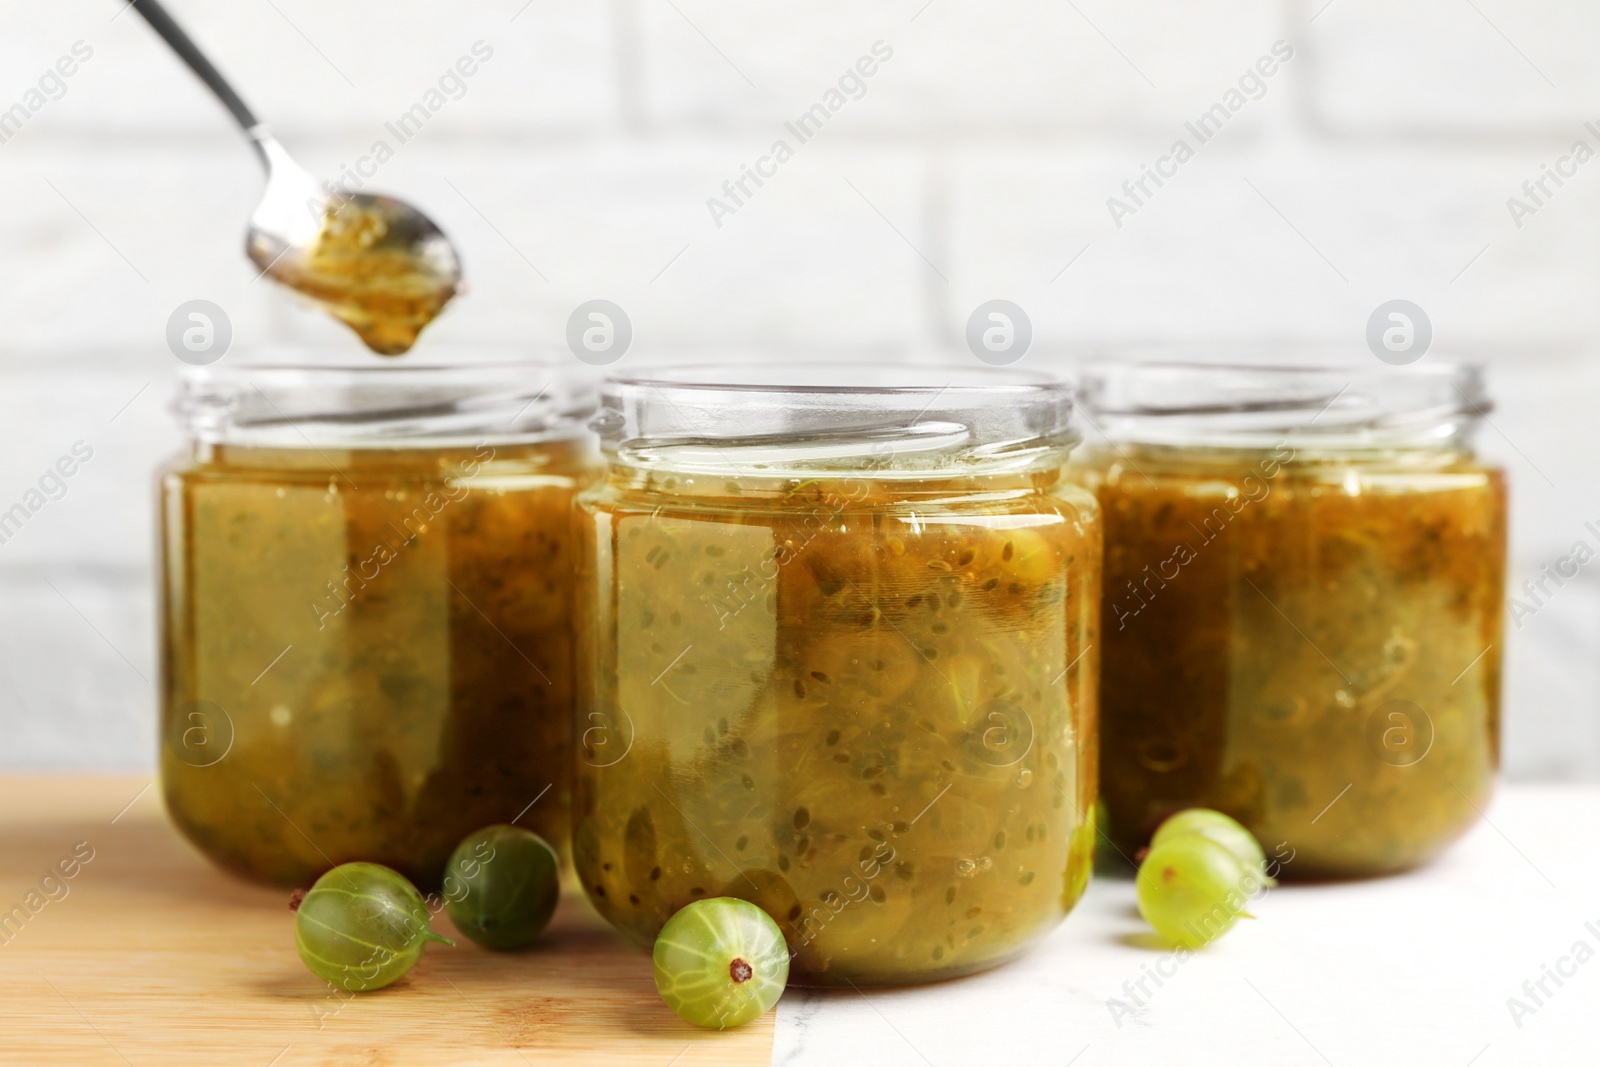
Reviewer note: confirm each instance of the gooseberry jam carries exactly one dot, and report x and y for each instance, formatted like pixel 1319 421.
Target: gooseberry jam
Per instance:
pixel 836 635
pixel 1302 624
pixel 366 626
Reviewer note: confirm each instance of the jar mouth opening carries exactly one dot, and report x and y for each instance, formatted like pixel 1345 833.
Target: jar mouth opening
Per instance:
pixel 435 404
pixel 792 419
pixel 1333 405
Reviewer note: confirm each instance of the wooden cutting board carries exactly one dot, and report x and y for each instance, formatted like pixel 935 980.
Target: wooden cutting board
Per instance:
pixel 148 955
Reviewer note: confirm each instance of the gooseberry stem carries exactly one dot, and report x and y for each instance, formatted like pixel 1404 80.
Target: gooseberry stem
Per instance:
pixel 431 936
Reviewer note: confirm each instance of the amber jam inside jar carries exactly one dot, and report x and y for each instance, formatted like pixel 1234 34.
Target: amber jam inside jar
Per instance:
pixel 1302 625
pixel 366 617
pixel 836 634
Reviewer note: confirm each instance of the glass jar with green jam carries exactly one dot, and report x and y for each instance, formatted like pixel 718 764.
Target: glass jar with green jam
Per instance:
pixel 836 636
pixel 1302 625
pixel 366 611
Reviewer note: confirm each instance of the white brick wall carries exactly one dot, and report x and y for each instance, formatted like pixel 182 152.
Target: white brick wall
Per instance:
pixel 1437 68
pixel 976 164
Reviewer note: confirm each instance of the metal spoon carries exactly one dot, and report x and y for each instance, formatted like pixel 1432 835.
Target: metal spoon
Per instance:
pixel 326 243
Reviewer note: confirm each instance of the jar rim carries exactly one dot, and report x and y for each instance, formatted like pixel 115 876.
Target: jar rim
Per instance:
pixel 1438 404
pixel 842 379
pixel 801 419
pixel 422 404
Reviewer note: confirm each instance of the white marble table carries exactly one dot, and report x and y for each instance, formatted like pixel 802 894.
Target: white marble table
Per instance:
pixel 1415 969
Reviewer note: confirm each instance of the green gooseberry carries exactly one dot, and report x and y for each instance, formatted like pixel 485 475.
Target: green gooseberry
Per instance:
pixel 1080 858
pixel 501 886
pixel 720 962
pixel 1192 889
pixel 362 926
pixel 1224 830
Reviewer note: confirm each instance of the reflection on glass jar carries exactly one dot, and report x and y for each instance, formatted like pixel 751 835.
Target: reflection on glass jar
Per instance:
pixel 837 629
pixel 367 612
pixel 1302 626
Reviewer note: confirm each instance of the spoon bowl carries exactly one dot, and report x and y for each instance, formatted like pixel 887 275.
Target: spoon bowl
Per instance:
pixel 376 263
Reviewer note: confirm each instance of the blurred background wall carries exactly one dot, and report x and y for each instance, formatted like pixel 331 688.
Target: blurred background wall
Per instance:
pixel 974 162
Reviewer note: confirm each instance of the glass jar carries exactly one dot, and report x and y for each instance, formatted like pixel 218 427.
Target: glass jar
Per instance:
pixel 1302 621
pixel 835 633
pixel 366 611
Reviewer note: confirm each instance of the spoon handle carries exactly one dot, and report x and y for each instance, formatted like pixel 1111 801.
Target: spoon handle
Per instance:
pixel 173 34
